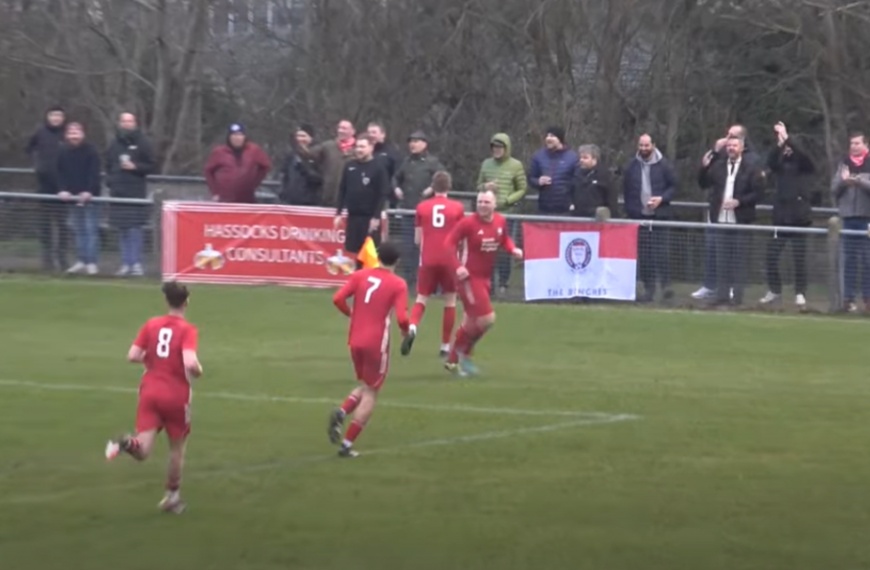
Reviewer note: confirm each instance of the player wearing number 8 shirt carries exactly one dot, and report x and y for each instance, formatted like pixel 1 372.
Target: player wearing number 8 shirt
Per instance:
pixel 483 234
pixel 434 220
pixel 167 346
pixel 376 294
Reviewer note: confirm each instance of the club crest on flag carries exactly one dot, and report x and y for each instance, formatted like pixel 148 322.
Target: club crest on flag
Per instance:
pixel 578 254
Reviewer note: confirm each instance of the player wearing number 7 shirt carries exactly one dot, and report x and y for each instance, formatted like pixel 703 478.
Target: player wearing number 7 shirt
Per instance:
pixel 167 346
pixel 483 233
pixel 435 219
pixel 376 294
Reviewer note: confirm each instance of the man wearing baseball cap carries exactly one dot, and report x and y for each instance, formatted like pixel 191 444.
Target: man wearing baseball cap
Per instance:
pixel 236 169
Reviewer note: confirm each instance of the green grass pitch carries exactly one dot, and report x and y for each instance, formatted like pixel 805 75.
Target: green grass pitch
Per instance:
pixel 606 439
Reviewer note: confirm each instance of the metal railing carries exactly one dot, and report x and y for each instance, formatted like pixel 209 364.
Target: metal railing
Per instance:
pixel 194 188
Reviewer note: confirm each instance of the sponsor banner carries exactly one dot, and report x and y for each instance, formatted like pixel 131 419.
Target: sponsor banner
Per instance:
pixel 593 260
pixel 240 244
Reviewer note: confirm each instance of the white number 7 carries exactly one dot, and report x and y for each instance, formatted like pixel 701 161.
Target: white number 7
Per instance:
pixel 375 283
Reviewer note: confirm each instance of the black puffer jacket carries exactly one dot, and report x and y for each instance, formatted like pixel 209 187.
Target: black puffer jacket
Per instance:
pixel 129 183
pixel 792 171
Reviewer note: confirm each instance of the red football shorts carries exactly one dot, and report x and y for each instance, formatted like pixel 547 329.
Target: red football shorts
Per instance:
pixel 161 410
pixel 371 365
pixel 474 294
pixel 430 277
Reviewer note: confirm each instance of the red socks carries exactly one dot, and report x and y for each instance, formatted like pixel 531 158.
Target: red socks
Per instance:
pixel 353 432
pixel 350 404
pixel 466 337
pixel 447 324
pixel 417 313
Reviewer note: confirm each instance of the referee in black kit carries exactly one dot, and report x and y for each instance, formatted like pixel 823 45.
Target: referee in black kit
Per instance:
pixel 365 185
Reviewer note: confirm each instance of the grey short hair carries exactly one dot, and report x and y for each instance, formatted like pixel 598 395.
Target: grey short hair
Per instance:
pixel 590 149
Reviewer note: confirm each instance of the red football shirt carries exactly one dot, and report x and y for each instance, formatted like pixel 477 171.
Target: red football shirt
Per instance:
pixel 163 339
pixel 376 294
pixel 482 241
pixel 436 217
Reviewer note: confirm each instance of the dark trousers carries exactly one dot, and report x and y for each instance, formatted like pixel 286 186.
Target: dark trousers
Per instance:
pixel 53 234
pixel 653 251
pixel 710 259
pixel 731 248
pixel 504 261
pixel 856 259
pixel 799 254
pixel 402 234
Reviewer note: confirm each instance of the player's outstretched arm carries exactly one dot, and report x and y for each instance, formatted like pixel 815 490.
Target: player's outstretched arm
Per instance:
pixel 342 295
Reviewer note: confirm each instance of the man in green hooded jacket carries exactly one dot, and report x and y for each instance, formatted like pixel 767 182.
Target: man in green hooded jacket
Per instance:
pixel 509 176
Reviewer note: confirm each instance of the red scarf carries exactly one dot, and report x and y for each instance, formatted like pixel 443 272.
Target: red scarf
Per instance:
pixel 858 161
pixel 346 145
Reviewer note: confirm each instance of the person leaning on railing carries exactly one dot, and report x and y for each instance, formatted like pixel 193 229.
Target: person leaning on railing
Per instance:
pixel 78 179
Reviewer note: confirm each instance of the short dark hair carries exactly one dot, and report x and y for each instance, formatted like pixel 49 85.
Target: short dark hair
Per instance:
pixel 366 138
pixel 176 294
pixel 379 124
pixel 856 134
pixel 388 254
pixel 442 182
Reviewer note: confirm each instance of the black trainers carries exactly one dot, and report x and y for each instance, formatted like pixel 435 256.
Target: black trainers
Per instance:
pixel 443 353
pixel 408 342
pixel 347 452
pixel 336 422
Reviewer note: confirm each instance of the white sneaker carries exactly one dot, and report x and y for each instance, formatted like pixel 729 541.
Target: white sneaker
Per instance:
pixel 172 503
pixel 137 270
pixel 703 293
pixel 800 300
pixel 76 267
pixel 769 298
pixel 92 269
pixel 123 271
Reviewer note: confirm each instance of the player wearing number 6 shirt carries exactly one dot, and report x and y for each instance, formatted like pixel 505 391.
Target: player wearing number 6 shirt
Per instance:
pixel 435 219
pixel 166 345
pixel 376 294
pixel 483 233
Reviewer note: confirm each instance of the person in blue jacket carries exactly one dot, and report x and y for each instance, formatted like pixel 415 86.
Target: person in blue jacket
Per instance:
pixel 552 174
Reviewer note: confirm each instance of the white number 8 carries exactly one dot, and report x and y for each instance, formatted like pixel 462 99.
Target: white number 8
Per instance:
pixel 164 337
pixel 438 216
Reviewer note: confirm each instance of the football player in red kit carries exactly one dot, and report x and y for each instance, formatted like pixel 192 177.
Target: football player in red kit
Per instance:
pixel 376 293
pixel 483 234
pixel 435 219
pixel 167 346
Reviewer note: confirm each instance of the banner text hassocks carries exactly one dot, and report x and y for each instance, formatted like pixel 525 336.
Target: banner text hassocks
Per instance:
pixel 593 260
pixel 251 244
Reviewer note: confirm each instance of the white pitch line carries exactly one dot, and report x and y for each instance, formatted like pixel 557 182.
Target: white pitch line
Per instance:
pixel 300 400
pixel 300 462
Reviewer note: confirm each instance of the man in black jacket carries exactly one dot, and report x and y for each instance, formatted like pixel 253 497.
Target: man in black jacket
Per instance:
pixel 43 149
pixel 593 185
pixel 129 160
pixel 363 192
pixel 301 182
pixel 792 169
pixel 390 156
pixel 79 180
pixel 734 185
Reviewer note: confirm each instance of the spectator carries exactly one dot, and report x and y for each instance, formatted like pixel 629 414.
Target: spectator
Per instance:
pixel 552 174
pixel 734 187
pixel 386 152
pixel 792 168
pixel 649 184
pixel 708 287
pixel 235 169
pixel 129 160
pixel 364 188
pixel 331 157
pixel 301 183
pixel 79 180
pixel 593 185
pixel 851 190
pixel 413 183
pixel 509 177
pixel 43 148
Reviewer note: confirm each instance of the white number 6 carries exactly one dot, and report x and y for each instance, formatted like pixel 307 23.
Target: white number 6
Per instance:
pixel 164 337
pixel 438 216
pixel 375 283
